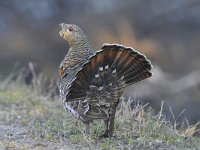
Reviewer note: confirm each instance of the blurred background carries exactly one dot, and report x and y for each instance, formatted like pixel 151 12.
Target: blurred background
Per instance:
pixel 167 32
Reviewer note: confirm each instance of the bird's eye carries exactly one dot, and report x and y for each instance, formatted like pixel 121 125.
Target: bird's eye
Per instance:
pixel 70 29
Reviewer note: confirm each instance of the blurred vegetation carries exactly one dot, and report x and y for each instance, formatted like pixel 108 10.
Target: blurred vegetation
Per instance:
pixel 35 120
pixel 167 32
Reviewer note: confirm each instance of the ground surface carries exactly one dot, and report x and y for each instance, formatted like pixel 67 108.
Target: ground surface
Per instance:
pixel 30 119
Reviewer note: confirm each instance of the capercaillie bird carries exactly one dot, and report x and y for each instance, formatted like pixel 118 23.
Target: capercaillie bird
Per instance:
pixel 92 84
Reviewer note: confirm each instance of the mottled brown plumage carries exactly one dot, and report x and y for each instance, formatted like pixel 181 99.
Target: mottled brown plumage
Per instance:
pixel 92 84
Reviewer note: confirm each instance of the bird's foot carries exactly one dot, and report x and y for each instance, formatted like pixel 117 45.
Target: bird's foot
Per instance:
pixel 105 134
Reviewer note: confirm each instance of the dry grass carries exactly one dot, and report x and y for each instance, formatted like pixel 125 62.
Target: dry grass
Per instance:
pixel 31 118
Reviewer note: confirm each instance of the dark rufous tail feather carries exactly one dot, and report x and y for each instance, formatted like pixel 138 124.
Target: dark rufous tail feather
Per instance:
pixel 113 64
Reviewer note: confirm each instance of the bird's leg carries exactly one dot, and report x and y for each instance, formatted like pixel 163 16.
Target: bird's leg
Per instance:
pixel 87 128
pixel 111 120
pixel 105 134
pixel 111 124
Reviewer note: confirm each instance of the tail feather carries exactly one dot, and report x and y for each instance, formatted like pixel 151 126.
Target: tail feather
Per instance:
pixel 112 65
pixel 116 61
pixel 109 57
pixel 125 58
pixel 136 69
pixel 138 77
pixel 136 61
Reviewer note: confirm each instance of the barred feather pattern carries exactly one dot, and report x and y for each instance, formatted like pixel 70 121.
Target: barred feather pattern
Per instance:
pixel 91 89
pixel 92 84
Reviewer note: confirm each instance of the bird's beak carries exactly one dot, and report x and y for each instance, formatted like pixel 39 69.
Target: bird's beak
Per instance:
pixel 62 31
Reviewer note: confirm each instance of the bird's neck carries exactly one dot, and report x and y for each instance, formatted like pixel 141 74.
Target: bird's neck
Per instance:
pixel 78 53
pixel 80 47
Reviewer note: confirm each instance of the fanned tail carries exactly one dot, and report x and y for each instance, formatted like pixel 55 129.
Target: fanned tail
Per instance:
pixel 107 73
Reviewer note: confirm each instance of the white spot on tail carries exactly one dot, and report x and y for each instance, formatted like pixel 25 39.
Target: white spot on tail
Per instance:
pixel 114 71
pixel 122 78
pixel 92 86
pixel 100 88
pixel 100 68
pixel 96 75
pixel 106 67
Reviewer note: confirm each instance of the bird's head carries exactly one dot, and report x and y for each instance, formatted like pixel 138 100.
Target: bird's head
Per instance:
pixel 72 33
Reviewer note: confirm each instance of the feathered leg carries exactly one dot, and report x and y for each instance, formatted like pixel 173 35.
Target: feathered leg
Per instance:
pixel 111 122
pixel 111 125
pixel 105 134
pixel 87 128
pixel 112 119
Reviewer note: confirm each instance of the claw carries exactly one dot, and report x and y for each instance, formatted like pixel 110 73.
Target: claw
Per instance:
pixel 105 134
